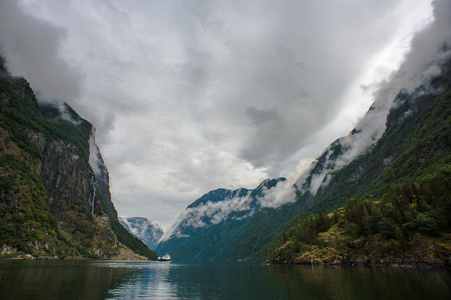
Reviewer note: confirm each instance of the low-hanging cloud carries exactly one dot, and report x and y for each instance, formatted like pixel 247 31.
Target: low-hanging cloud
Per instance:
pixel 430 48
pixel 33 50
pixel 211 213
pixel 282 193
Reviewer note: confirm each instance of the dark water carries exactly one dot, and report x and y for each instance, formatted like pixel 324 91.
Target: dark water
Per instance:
pixel 163 280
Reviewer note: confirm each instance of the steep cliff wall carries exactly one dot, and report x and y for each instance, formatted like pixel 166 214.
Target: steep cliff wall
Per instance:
pixel 52 200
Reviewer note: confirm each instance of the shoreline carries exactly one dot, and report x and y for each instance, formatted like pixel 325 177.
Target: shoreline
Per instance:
pixel 389 262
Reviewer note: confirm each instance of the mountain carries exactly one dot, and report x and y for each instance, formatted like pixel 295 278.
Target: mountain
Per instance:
pixel 409 226
pixel 404 137
pixel 412 142
pixel 148 232
pixel 54 186
pixel 207 226
pixel 407 170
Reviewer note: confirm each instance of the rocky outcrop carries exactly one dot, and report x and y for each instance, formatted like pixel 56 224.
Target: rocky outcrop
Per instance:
pixel 65 175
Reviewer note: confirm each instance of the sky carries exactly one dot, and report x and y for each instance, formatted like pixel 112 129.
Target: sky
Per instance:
pixel 190 96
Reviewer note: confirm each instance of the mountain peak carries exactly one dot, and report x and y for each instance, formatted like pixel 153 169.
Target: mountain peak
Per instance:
pixel 149 232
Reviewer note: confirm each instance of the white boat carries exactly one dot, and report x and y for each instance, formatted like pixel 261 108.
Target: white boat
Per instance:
pixel 164 258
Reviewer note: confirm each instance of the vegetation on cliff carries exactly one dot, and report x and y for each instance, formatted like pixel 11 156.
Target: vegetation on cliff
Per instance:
pixel 415 145
pixel 411 224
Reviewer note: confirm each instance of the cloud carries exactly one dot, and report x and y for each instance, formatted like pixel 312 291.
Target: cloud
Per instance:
pixel 32 49
pixel 94 154
pixel 283 193
pixel 190 96
pixel 430 48
pixel 211 213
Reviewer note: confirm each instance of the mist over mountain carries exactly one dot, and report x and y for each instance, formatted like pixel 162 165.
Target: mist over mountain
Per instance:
pixel 430 50
pixel 407 172
pixel 209 224
pixel 360 164
pixel 147 231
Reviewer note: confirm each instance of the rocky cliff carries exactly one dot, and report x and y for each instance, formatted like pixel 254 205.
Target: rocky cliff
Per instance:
pixel 101 175
pixel 53 201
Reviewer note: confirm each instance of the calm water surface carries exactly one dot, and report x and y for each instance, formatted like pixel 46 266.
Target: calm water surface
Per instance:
pixel 163 280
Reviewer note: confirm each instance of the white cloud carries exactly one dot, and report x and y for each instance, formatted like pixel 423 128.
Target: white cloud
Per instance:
pixel 190 96
pixel 210 213
pixel 430 48
pixel 278 195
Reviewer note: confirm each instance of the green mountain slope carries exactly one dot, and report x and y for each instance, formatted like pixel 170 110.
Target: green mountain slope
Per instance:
pixel 415 144
pixel 415 147
pixel 410 225
pixel 210 225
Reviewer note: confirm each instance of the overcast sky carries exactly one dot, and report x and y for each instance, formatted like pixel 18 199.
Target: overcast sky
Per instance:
pixel 189 96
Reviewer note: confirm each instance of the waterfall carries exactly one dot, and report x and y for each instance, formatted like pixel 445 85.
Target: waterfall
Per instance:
pixel 93 196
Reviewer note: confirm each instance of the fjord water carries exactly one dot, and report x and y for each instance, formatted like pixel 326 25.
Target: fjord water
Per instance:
pixel 164 280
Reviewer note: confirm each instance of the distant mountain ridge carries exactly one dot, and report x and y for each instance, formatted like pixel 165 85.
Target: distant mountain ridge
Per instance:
pixel 215 218
pixel 148 232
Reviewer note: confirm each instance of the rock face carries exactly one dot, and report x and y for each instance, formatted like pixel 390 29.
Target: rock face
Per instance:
pixel 53 201
pixel 65 175
pixel 148 232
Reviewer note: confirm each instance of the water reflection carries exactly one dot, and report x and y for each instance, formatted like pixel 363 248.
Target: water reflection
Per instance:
pixel 160 280
pixel 58 280
pixel 255 281
pixel 151 281
pixel 337 282
pixel 163 280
